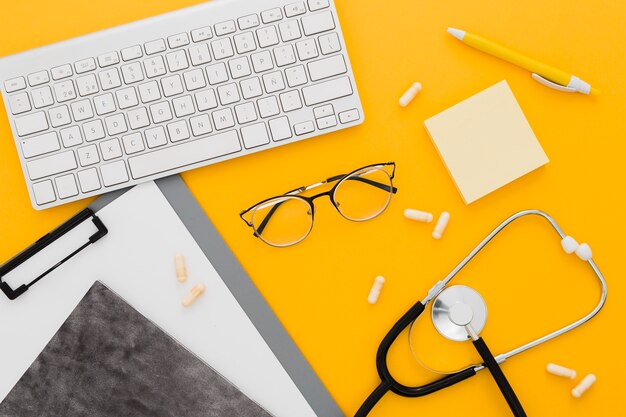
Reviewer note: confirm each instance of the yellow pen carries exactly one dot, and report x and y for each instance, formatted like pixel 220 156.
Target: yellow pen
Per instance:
pixel 542 73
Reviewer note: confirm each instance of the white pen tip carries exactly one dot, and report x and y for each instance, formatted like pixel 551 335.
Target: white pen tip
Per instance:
pixel 457 33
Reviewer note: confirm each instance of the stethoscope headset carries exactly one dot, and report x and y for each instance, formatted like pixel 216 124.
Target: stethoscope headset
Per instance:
pixel 459 313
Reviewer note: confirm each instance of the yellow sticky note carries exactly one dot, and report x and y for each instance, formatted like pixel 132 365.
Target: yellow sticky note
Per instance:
pixel 485 142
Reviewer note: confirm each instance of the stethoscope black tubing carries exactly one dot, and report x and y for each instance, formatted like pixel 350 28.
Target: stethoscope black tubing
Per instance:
pixel 388 383
pixel 505 388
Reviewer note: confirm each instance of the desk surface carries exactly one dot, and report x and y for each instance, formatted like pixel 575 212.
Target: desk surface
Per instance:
pixel 319 287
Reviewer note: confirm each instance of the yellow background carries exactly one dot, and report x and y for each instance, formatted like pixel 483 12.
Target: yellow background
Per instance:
pixel 319 287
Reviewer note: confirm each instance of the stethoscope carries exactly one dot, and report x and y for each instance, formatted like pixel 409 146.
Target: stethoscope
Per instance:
pixel 459 313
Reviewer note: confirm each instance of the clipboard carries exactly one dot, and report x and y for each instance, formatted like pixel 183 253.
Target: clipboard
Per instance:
pixel 238 283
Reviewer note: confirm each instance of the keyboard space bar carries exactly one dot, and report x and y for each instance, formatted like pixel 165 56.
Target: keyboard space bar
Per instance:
pixel 184 154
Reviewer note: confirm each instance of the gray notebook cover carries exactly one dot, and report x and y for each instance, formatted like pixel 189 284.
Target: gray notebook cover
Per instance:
pixel 107 360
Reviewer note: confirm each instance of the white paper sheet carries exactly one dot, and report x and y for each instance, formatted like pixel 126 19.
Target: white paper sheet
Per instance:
pixel 136 260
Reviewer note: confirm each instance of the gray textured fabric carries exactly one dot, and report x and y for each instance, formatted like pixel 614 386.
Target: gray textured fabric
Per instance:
pixel 107 360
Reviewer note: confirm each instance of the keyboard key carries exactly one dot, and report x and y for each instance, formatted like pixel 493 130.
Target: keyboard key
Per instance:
pixel 185 154
pixel 89 180
pixel 245 43
pixel 349 116
pixel 64 91
pixel 154 47
pixel 248 22
pixel 280 128
pixel 268 107
pixel 201 34
pixel 155 137
pixel 246 113
pixel 255 135
pixel 179 40
pixel 323 111
pixel 133 143
pixel 110 149
pixel 87 85
pixel 134 52
pixel 161 112
pixel 330 43
pixel 88 155
pixel 110 79
pixel 71 136
pixel 326 91
pixel 262 61
pixel 14 84
pixel 59 116
pixel 66 185
pixel 327 122
pixel 44 192
pixel 206 100
pixel 251 88
pixel 200 125
pixel 114 173
pixel 199 54
pixel 315 5
pixel 289 30
pixel 239 67
pixel 149 92
pixel 291 101
pixel 307 50
pixel 295 9
pixel 61 72
pixel 42 97
pixel 217 73
pixel 183 106
pixel 296 76
pixel 318 23
pixel 178 131
pixel 177 61
pixel 116 124
pixel 51 165
pixel 19 103
pixel 39 145
pixel 222 48
pixel 228 94
pixel 304 128
pixel 108 59
pixel 284 55
pixel 138 118
pixel 93 130
pixel 132 73
pixel 268 36
pixel 37 78
pixel 126 98
pixel 225 28
pixel 327 67
pixel 274 82
pixel 272 15
pixel 172 85
pixel 85 65
pixel 154 66
pixel 104 104
pixel 31 123
pixel 194 80
pixel 223 119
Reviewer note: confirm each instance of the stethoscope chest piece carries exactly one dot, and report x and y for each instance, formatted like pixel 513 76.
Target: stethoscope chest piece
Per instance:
pixel 457 307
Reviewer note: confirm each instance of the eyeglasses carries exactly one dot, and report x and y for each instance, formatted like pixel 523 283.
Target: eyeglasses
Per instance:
pixel 358 196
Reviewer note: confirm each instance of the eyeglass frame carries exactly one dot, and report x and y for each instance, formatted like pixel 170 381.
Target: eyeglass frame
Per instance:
pixel 310 201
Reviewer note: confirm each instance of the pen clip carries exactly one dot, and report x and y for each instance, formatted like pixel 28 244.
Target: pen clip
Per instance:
pixel 552 85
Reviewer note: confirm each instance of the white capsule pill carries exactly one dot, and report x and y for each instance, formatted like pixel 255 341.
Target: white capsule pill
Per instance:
pixel 419 216
pixel 559 370
pixel 583 251
pixel 442 223
pixel 569 244
pixel 181 268
pixel 584 385
pixel 193 295
pixel 410 94
pixel 375 291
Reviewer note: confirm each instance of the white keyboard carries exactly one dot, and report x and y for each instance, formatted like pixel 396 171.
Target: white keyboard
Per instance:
pixel 175 92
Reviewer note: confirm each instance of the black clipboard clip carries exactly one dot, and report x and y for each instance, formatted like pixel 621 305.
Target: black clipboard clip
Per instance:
pixel 42 243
